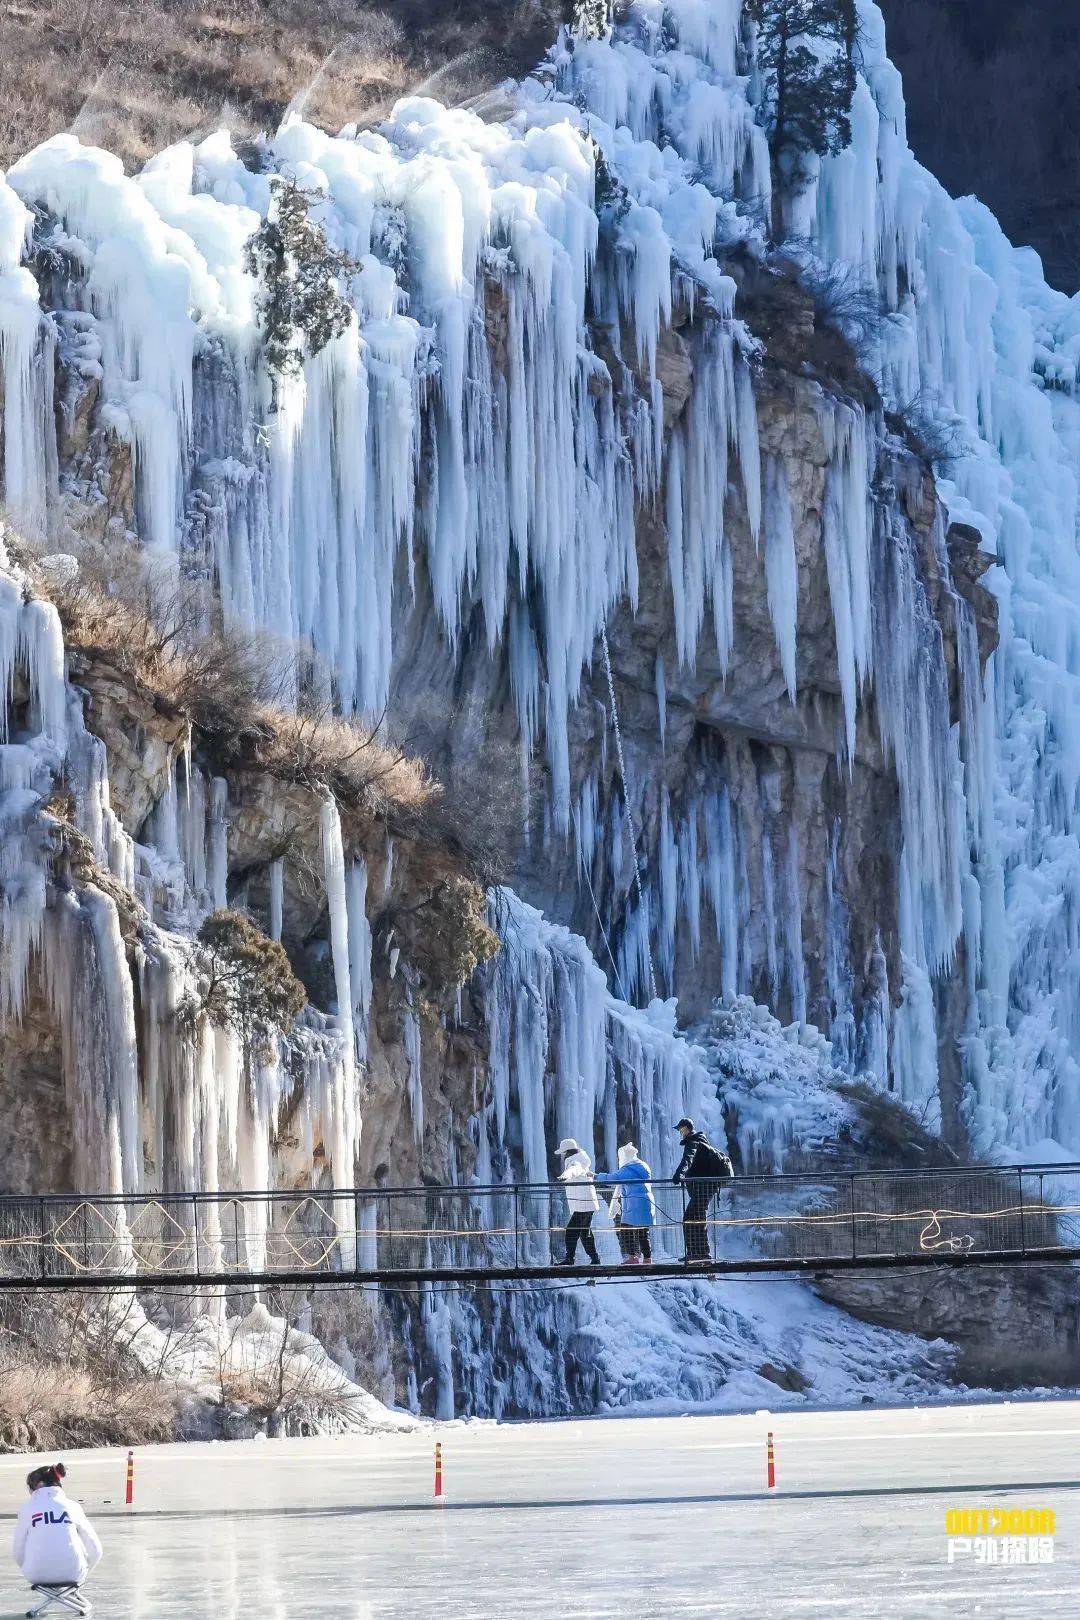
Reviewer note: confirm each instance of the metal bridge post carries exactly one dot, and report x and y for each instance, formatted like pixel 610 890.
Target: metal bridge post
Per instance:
pixel 41 1245
pixel 851 1196
pixel 1020 1188
pixel 517 1233
pixel 195 1231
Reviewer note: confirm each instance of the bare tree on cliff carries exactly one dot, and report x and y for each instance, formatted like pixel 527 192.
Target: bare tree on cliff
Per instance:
pixel 806 52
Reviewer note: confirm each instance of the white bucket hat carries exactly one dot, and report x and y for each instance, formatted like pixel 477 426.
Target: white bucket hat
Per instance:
pixel 568 1145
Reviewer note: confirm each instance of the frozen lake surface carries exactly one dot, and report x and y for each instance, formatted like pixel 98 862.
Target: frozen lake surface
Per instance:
pixel 653 1517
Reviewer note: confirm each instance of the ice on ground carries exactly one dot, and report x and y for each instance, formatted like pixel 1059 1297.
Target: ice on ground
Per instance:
pixel 586 1520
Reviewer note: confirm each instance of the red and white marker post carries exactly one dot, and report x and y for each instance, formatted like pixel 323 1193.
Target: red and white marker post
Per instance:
pixel 439 1497
pixel 770 1462
pixel 129 1493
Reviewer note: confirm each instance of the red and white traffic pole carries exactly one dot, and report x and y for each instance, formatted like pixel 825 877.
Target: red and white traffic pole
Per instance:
pixel 129 1494
pixel 439 1497
pixel 770 1462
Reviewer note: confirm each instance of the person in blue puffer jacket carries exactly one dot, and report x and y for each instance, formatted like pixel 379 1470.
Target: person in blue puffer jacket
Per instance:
pixel 638 1211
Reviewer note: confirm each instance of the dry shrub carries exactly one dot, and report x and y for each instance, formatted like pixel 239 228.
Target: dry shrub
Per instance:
pixel 842 298
pixel 356 1329
pixel 360 765
pixel 289 1398
pixel 236 686
pixel 45 1407
pixel 484 807
pixel 157 626
pixel 280 1385
pixel 486 799
pixel 888 1135
pixel 931 429
pixel 67 1377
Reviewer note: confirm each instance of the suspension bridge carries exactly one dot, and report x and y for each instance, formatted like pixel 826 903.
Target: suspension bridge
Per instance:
pixel 824 1222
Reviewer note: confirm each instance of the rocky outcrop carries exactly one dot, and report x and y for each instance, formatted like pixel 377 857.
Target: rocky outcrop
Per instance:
pixel 1012 1328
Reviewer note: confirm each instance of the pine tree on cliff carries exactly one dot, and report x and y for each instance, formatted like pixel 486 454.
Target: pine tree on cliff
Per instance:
pixel 300 302
pixel 806 57
pixel 591 19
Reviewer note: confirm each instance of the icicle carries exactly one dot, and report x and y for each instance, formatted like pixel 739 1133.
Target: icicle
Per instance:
pixel 846 534
pixel 359 952
pixel 277 896
pixel 661 700
pixel 720 879
pixel 416 1073
pixel 642 910
pixel 669 892
pixel 781 571
pixel 345 1122
pixel 218 857
pixel 690 878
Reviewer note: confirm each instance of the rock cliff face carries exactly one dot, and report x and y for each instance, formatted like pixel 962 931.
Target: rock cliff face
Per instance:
pixel 633 532
pixel 1010 1330
pixel 769 859
pixel 421 901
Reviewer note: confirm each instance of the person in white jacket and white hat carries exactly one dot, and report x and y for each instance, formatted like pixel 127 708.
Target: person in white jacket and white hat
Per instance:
pixel 55 1544
pixel 581 1201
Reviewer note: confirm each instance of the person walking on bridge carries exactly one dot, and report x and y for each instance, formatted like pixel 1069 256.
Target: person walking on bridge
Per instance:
pixel 701 1170
pixel 581 1201
pixel 638 1210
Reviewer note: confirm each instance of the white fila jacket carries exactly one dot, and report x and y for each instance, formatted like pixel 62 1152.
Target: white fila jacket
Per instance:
pixel 54 1540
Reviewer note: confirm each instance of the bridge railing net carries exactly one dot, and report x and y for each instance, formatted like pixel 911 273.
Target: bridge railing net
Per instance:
pixel 805 1219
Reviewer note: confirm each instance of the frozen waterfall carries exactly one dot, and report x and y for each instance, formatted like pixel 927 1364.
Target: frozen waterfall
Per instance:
pixel 482 469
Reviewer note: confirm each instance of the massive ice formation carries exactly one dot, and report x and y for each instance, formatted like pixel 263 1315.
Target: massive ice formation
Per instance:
pixel 148 1108
pixel 547 421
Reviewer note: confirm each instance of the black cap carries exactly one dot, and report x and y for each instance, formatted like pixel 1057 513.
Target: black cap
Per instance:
pixel 687 1122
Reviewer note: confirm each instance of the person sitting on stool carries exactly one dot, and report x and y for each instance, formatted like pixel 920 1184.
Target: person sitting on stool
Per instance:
pixel 701 1169
pixel 55 1544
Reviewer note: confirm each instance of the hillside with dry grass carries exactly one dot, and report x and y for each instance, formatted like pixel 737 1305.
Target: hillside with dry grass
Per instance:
pixel 135 75
pixel 235 688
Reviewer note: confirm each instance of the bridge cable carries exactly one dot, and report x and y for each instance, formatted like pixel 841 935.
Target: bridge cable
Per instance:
pixel 592 895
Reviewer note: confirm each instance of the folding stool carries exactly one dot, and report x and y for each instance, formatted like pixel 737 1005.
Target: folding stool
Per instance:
pixel 58 1595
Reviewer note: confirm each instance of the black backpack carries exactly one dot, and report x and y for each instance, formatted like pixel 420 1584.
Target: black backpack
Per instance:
pixel 710 1164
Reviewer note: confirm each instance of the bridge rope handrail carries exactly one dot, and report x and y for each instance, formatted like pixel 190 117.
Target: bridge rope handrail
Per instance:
pixel 747 1180
pixel 836 1217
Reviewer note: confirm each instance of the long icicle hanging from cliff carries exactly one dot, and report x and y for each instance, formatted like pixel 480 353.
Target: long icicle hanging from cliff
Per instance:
pixel 627 800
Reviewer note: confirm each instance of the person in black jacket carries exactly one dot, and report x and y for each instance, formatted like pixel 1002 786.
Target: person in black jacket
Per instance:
pixel 701 1169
